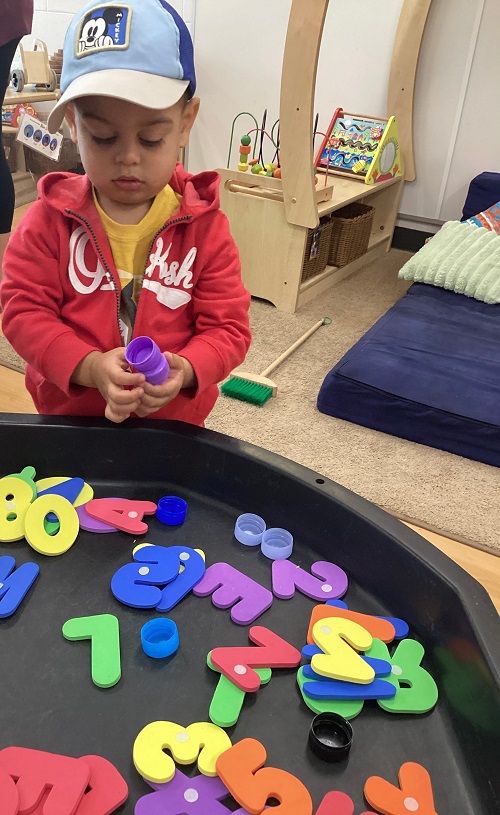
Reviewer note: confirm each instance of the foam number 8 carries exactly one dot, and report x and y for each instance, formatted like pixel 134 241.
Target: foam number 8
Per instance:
pixel 185 744
pixel 69 525
pixel 338 638
pixel 15 498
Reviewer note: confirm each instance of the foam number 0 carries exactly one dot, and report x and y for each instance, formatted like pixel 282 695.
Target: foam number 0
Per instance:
pixel 15 498
pixel 338 638
pixel 69 525
pixel 240 770
pixel 185 744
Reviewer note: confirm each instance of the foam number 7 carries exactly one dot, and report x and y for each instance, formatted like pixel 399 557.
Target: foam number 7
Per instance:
pixel 15 498
pixel 185 744
pixel 240 770
pixel 338 638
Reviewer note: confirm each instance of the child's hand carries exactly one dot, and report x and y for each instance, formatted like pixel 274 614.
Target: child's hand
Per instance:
pixel 109 373
pixel 157 396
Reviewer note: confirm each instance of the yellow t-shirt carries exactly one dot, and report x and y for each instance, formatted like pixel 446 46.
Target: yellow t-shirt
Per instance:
pixel 130 245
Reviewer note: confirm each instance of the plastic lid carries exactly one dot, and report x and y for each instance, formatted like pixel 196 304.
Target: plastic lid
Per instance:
pixel 160 638
pixel 330 737
pixel 249 528
pixel 277 544
pixel 171 510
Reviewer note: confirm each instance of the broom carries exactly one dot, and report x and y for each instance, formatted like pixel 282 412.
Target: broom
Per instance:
pixel 257 388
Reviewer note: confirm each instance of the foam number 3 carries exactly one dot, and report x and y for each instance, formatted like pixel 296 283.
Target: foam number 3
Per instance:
pixel 15 498
pixel 338 638
pixel 240 770
pixel 34 530
pixel 185 744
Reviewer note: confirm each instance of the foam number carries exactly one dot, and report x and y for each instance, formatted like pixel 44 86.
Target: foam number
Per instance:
pixel 189 576
pixel 69 488
pixel 140 584
pixel 230 587
pixel 346 708
pixel 337 639
pixel 414 793
pixel 240 770
pixel 15 499
pixel 35 533
pixel 198 796
pixel 401 628
pixel 185 744
pixel 107 790
pixel 15 583
pixel 122 513
pixel 419 693
pixel 8 794
pixel 237 663
pixel 287 577
pixel 379 627
pixel 104 633
pixel 65 778
pixel 228 698
pixel 322 688
pixel 339 803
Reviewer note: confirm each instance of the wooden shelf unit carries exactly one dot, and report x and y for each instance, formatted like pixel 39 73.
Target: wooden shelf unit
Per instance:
pixel 270 220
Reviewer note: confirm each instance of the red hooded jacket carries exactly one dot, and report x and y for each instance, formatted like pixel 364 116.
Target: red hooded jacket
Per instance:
pixel 61 294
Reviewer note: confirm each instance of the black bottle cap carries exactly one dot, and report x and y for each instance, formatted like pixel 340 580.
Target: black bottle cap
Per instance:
pixel 330 737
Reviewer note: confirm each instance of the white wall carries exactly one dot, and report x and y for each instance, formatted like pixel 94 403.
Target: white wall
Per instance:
pixel 239 51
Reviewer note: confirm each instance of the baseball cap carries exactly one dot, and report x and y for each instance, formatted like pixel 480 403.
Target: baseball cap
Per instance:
pixel 140 51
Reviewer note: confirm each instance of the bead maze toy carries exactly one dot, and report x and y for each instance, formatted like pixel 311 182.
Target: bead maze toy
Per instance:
pixel 361 145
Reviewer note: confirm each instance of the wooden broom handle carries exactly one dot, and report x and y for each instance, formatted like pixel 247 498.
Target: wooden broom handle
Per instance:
pixel 292 348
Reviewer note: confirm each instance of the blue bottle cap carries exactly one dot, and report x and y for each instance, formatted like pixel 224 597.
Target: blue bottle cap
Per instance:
pixel 160 638
pixel 171 510
pixel 249 529
pixel 277 544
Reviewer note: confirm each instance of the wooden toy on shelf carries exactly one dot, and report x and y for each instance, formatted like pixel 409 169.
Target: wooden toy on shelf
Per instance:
pixel 36 69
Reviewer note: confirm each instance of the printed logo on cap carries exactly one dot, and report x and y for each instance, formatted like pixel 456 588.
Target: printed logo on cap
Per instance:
pixel 105 28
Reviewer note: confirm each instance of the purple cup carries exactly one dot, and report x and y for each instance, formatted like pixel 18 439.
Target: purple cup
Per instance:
pixel 145 356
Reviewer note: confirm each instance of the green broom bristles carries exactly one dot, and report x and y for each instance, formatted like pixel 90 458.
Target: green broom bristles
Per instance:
pixel 246 391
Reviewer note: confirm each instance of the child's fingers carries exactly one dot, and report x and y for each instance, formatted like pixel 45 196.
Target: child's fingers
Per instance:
pixel 123 397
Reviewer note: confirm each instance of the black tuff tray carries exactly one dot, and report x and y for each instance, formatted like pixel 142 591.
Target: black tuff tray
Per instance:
pixel 50 703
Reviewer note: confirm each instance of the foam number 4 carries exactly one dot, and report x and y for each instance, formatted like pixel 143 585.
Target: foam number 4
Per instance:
pixel 35 532
pixel 419 693
pixel 15 583
pixel 15 498
pixel 240 770
pixel 185 744
pixel 414 794
pixel 338 638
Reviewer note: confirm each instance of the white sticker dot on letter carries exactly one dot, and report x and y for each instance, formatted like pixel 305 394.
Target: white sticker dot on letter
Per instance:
pixel 184 556
pixel 133 514
pixel 410 804
pixel 191 796
pixel 182 736
pixel 1 585
pixel 326 587
pixel 325 629
pixel 240 670
pixel 396 670
pixel 144 570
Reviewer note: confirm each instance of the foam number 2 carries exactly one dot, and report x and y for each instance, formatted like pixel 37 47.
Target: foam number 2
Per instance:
pixel 15 498
pixel 335 637
pixel 185 744
pixel 34 530
pixel 240 770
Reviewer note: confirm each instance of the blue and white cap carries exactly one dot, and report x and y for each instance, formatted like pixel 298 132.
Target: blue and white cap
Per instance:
pixel 140 51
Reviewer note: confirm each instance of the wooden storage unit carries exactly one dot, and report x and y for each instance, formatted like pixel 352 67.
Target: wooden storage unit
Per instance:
pixel 271 218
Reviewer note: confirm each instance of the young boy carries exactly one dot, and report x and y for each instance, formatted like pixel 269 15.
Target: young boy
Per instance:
pixel 135 247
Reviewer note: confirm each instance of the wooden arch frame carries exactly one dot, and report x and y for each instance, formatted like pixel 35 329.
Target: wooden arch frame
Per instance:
pixel 298 84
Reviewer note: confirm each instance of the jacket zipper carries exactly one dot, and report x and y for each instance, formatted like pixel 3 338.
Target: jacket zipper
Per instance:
pixel 109 273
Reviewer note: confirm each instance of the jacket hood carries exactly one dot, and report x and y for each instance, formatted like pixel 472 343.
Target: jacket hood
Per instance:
pixel 63 191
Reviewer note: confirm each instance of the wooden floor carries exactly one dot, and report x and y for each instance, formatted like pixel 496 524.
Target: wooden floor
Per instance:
pixel 481 565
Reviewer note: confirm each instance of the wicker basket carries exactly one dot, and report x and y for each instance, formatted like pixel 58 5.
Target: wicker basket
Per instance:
pixel 318 243
pixel 352 226
pixel 39 164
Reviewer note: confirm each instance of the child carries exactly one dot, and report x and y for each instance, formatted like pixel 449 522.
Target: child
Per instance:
pixel 135 247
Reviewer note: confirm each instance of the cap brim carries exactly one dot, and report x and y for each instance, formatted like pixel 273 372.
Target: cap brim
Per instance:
pixel 146 90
